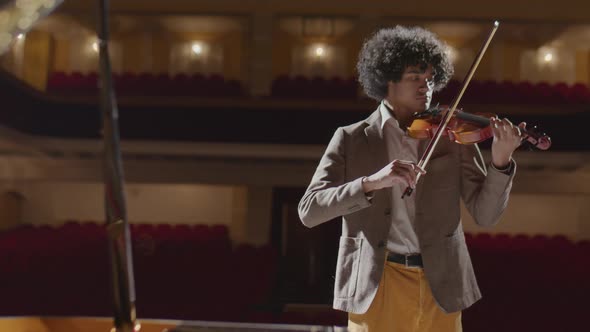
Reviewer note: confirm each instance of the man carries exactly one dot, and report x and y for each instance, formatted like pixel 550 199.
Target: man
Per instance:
pixel 402 263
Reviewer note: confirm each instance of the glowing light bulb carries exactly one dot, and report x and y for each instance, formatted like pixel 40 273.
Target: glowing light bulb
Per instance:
pixel 319 51
pixel 548 57
pixel 197 48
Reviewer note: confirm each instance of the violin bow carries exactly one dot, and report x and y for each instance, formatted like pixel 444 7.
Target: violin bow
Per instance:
pixel 439 131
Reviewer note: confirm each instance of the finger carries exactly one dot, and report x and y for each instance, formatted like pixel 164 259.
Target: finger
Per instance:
pixel 407 166
pixel 495 127
pixel 399 169
pixel 516 132
pixel 411 182
pixel 507 122
pixel 506 125
pixel 403 162
pixel 413 172
pixel 413 176
pixel 522 125
pixel 402 175
pixel 493 121
pixel 410 176
pixel 517 135
pixel 415 168
pixel 406 176
pixel 502 128
pixel 420 169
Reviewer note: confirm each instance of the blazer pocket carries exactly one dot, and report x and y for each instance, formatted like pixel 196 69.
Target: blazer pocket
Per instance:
pixel 347 266
pixel 455 238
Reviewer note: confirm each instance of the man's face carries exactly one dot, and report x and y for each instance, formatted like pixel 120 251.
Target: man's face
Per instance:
pixel 414 90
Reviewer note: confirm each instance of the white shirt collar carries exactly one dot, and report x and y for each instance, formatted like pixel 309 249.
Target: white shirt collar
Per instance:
pixel 387 116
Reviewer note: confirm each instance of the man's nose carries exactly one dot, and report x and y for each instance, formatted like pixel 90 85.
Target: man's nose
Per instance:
pixel 424 84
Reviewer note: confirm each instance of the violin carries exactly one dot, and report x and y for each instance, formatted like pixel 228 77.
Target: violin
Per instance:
pixel 467 128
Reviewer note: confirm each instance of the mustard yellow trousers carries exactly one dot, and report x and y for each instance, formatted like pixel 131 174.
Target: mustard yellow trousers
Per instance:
pixel 404 303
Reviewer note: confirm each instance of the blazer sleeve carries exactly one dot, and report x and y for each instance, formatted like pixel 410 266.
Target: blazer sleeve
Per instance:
pixel 328 195
pixel 485 194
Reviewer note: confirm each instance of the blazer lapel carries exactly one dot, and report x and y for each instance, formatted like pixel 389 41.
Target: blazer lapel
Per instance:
pixel 378 156
pixel 375 141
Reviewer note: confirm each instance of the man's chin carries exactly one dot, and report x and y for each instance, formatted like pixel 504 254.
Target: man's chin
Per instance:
pixel 423 106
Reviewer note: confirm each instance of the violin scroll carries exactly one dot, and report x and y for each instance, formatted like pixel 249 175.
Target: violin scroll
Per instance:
pixel 534 138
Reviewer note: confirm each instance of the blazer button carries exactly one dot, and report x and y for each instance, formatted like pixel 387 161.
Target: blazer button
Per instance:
pixel 381 244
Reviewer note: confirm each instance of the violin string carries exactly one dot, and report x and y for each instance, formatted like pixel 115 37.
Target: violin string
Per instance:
pixel 482 166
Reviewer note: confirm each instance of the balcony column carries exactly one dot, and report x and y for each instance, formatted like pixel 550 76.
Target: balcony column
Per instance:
pixel 260 50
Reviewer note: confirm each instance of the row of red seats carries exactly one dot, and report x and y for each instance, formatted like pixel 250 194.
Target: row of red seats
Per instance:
pixel 523 242
pixel 146 84
pixel 147 240
pixel 284 86
pixel 315 88
pixel 86 231
pixel 532 282
pixel 181 271
pixel 507 92
pixel 478 92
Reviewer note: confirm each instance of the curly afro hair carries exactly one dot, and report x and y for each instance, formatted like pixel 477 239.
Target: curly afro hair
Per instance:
pixel 385 56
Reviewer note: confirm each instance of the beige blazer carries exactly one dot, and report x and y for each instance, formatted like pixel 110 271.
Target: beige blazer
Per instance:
pixel 335 190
